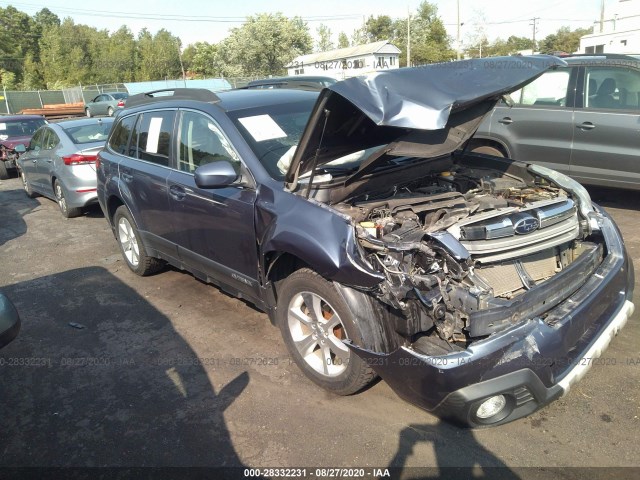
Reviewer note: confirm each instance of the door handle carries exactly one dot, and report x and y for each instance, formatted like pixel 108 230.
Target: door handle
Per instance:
pixel 586 126
pixel 48 160
pixel 505 121
pixel 177 192
pixel 35 160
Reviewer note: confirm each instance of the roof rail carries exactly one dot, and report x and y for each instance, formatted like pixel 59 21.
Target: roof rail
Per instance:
pixel 166 94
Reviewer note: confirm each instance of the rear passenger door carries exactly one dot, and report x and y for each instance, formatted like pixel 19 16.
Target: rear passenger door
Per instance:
pixel 214 227
pixel 143 173
pixel 539 127
pixel 607 127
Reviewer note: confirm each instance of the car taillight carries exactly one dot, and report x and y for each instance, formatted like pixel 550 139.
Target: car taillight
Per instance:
pixel 77 159
pixel 121 103
pixel 97 162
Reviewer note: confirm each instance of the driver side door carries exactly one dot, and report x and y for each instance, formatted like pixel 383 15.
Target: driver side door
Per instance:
pixel 214 228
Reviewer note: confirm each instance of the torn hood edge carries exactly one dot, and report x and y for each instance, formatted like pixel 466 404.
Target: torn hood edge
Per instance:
pixel 401 102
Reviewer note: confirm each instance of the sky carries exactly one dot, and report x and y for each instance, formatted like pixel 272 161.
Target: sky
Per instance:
pixel 210 21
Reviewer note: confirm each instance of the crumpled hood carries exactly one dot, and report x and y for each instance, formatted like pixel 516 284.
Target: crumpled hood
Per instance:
pixel 423 111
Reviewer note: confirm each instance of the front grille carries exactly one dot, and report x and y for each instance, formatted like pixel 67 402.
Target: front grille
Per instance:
pixel 513 235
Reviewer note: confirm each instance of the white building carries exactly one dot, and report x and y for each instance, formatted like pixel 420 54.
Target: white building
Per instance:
pixel 347 62
pixel 620 31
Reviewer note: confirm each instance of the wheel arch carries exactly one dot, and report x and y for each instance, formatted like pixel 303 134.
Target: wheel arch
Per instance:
pixel 490 142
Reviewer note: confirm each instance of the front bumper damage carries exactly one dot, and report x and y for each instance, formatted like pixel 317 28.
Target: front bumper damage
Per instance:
pixel 531 363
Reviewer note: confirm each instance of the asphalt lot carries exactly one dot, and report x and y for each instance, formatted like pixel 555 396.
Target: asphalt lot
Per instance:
pixel 169 371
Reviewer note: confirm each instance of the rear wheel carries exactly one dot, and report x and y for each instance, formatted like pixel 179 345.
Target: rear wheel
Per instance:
pixel 4 174
pixel 110 112
pixel 314 320
pixel 487 150
pixel 68 212
pixel 131 246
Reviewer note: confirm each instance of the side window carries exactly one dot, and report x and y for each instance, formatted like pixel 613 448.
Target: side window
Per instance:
pixel 121 134
pixel 548 90
pixel 200 141
pixel 612 88
pixel 50 140
pixel 36 141
pixel 151 140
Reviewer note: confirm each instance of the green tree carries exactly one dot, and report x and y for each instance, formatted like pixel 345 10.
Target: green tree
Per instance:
pixel 324 42
pixel 358 37
pixel 564 40
pixel 157 56
pixel 202 59
pixel 264 45
pixel 343 40
pixel 18 39
pixel 46 18
pixel 379 28
pixel 429 40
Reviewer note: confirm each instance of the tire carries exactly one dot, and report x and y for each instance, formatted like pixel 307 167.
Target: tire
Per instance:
pixel 4 174
pixel 314 344
pixel 487 150
pixel 25 184
pixel 87 112
pixel 67 212
pixel 131 245
pixel 110 112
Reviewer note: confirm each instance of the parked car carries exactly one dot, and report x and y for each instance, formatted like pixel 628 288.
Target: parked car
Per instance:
pixel 60 162
pixel 474 285
pixel 106 104
pixel 313 83
pixel 581 120
pixel 15 130
pixel 9 321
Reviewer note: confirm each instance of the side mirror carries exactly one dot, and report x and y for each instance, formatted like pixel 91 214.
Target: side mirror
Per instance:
pixel 215 175
pixel 20 148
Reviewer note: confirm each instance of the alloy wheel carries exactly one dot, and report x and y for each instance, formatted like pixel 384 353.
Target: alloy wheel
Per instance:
pixel 128 241
pixel 317 333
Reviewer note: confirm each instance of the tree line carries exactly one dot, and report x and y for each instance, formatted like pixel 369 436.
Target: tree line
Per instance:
pixel 44 52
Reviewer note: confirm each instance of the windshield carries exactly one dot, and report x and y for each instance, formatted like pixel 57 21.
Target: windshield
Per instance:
pixel 273 131
pixel 94 132
pixel 19 128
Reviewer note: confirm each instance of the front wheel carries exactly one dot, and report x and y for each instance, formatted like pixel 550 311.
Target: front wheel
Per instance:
pixel 67 212
pixel 88 112
pixel 27 187
pixel 314 320
pixel 131 246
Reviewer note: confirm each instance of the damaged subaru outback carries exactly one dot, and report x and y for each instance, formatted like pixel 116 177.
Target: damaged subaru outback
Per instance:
pixel 475 286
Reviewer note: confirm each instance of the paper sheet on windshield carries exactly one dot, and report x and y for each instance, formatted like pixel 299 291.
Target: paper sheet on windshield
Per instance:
pixel 262 127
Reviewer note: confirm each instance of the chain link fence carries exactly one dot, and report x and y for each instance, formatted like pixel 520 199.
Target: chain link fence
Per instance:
pixel 13 102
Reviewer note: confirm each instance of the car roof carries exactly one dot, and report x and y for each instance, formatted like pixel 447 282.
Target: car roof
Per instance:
pixel 79 122
pixel 9 118
pixel 233 100
pixel 297 78
pixel 604 58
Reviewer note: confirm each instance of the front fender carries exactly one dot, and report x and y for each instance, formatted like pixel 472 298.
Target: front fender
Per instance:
pixel 315 233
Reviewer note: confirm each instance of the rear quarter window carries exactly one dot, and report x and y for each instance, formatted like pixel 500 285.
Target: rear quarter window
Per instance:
pixel 121 134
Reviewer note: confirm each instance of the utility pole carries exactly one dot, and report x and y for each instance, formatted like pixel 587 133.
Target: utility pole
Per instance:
pixel 458 34
pixel 601 16
pixel 534 21
pixel 408 37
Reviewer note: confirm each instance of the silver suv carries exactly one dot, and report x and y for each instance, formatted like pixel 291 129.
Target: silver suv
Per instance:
pixel 582 120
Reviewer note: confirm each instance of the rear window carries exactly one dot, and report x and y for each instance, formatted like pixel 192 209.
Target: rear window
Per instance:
pixel 94 132
pixel 19 128
pixel 120 96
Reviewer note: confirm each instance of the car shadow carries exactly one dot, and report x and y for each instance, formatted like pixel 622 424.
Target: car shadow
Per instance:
pixel 615 198
pixel 458 454
pixel 14 205
pixel 98 377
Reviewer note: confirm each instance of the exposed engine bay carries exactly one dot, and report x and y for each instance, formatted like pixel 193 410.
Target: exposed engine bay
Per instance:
pixel 460 242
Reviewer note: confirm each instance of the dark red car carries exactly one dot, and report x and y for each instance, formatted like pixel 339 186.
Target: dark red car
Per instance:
pixel 15 130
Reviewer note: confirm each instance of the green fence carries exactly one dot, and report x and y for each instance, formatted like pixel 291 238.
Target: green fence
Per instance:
pixel 13 102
